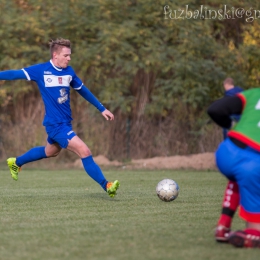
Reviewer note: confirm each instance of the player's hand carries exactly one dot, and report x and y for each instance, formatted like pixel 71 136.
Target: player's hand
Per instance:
pixel 107 115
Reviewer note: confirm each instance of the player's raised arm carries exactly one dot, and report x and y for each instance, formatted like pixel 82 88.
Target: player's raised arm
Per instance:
pixel 12 75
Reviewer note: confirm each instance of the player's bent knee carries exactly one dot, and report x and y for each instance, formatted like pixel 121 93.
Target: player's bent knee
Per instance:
pixel 85 153
pixel 55 154
pixel 52 155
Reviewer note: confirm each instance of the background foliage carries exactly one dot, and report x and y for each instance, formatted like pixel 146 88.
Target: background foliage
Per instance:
pixel 156 74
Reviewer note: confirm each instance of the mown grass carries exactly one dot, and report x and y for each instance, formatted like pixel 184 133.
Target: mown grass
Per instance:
pixel 65 215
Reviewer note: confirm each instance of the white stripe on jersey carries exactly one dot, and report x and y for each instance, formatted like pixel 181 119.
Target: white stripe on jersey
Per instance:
pixel 79 87
pixel 26 74
pixel 57 81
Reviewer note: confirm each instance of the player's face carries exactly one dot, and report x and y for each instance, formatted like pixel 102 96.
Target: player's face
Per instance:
pixel 62 58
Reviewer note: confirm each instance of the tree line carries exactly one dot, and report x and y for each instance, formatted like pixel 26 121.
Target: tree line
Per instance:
pixel 153 71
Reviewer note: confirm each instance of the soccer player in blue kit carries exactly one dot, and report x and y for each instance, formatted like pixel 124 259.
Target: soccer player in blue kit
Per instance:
pixel 54 79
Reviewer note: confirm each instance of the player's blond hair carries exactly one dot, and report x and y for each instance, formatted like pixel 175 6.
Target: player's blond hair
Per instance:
pixel 58 44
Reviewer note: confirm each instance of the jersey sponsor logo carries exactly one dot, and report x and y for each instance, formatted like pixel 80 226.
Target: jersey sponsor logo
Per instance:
pixel 47 72
pixel 63 92
pixel 57 81
pixel 62 100
pixel 64 96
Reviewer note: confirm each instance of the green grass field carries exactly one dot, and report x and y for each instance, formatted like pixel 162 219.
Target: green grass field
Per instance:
pixel 65 215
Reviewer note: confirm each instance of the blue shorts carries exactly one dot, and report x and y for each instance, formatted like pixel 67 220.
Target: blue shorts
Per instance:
pixel 60 133
pixel 242 166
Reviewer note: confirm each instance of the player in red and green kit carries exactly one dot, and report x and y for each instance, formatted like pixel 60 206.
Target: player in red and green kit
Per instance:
pixel 238 158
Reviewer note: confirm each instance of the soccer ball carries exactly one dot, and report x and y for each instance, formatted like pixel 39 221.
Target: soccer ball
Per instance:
pixel 167 190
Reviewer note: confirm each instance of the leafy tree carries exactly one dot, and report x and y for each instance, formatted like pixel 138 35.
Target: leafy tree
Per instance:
pixel 135 56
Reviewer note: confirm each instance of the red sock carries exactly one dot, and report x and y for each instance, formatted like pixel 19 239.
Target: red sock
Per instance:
pixel 252 232
pixel 230 204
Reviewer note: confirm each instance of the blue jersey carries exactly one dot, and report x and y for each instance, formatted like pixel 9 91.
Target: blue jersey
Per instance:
pixel 54 84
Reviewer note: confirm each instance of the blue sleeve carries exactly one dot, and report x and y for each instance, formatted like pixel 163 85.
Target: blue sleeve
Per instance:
pixel 12 75
pixel 87 94
pixel 33 72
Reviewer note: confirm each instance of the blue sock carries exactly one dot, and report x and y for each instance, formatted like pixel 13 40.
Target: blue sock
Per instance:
pixel 94 171
pixel 36 153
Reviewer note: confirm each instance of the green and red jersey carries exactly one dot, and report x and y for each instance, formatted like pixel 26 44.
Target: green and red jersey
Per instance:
pixel 247 130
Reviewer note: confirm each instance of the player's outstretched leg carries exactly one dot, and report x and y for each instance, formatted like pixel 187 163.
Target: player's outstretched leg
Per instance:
pixel 96 174
pixel 14 169
pixel 112 187
pixel 34 154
